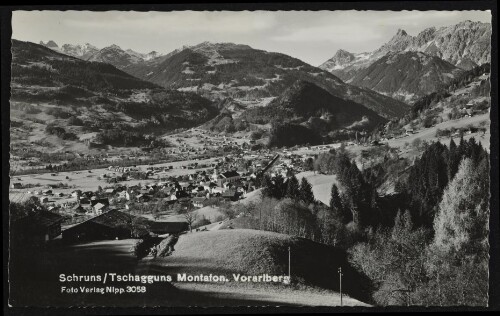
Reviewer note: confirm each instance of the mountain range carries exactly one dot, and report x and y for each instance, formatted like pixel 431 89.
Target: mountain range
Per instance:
pixel 227 86
pixel 464 45
pixel 406 75
pixel 247 75
pixel 225 70
pixel 42 75
pixel 112 54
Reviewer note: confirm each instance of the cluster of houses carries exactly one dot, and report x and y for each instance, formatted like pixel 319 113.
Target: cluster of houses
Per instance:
pixel 228 178
pixel 469 109
pixel 195 189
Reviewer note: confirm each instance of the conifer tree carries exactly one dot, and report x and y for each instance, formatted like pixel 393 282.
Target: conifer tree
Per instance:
pixel 306 194
pixel 461 222
pixel 293 188
pixel 453 159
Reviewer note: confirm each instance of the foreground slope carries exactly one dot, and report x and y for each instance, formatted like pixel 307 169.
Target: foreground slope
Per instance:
pixel 252 252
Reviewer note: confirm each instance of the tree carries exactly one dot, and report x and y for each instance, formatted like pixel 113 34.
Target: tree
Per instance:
pixel 275 187
pixel 416 143
pixel 453 159
pixel 458 256
pixel 306 194
pixel 461 223
pixel 266 185
pixel 190 217
pixel 394 260
pixel 309 164
pixel 336 207
pixel 31 205
pixel 293 190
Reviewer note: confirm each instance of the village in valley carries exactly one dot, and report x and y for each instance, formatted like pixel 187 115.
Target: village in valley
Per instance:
pixel 165 192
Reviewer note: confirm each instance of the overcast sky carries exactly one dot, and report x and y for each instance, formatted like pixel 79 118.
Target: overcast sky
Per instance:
pixel 312 36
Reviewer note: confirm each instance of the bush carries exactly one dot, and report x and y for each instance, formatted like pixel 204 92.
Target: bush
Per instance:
pixel 73 120
pixel 58 113
pixel 201 222
pixel 60 132
pixel 416 143
pixel 256 135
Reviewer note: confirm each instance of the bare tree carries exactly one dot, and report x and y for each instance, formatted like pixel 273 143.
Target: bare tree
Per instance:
pixel 190 218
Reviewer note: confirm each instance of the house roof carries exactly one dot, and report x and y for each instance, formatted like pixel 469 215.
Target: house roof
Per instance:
pixel 99 206
pixel 111 219
pixel 79 209
pixel 39 219
pixel 115 219
pixel 102 201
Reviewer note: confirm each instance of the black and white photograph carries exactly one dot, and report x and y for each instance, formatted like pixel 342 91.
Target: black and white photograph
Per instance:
pixel 295 158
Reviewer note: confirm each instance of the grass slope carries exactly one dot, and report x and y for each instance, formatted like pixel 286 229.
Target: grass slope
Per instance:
pixel 253 252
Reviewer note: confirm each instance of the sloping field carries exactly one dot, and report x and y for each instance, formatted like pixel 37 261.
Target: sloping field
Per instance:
pixel 429 134
pixel 253 252
pixel 250 197
pixel 321 184
pixel 209 212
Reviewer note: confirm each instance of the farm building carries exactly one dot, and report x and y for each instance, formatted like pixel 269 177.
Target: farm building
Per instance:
pixel 104 201
pixel 17 185
pixel 79 209
pixel 100 208
pixel 231 195
pixel 110 225
pixel 228 176
pixel 37 228
pixel 199 201
pixel 118 225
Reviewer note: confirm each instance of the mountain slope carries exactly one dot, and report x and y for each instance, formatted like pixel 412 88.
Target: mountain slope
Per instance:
pixel 82 96
pixel 81 51
pixel 306 103
pixel 113 54
pixel 116 56
pixel 226 70
pixel 456 104
pixel 37 65
pixel 406 75
pixel 465 45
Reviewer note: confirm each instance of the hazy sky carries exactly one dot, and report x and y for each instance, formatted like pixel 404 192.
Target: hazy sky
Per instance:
pixel 312 36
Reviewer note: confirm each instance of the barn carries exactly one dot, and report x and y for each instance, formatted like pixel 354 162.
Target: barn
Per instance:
pixel 115 224
pixel 110 225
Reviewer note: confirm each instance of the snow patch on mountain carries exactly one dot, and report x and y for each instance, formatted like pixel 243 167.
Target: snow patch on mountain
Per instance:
pixel 465 45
